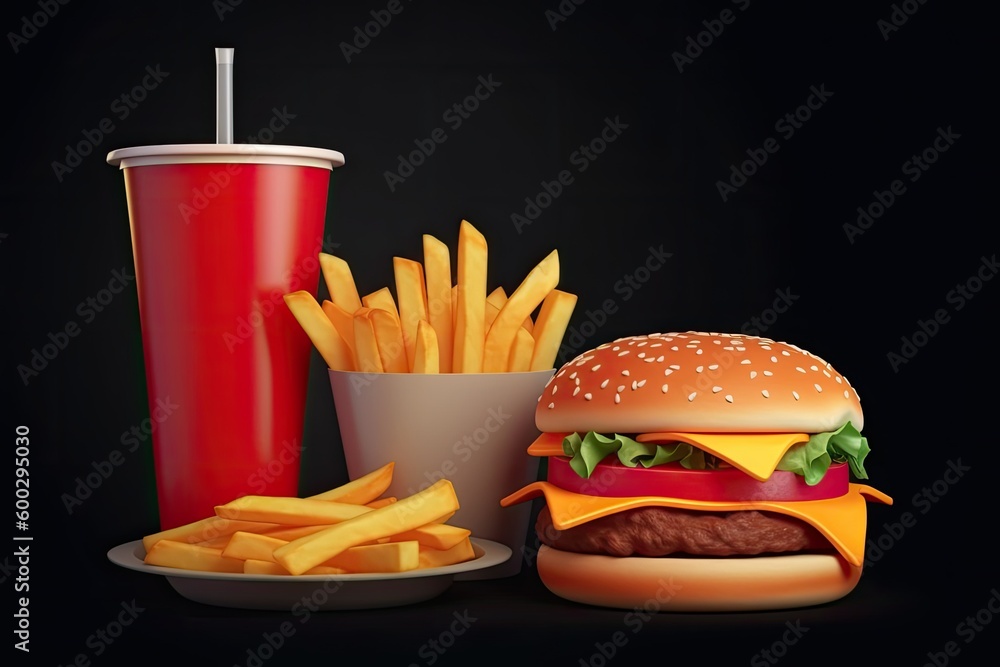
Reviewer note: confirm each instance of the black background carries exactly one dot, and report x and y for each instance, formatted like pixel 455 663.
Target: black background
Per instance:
pixel 781 232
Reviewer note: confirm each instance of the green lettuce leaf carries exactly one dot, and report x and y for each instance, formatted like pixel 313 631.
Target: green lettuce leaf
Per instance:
pixel 813 458
pixel 810 459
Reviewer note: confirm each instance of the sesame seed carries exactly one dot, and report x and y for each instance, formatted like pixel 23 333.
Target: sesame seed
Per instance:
pixel 827 373
pixel 764 393
pixel 618 398
pixel 588 396
pixel 657 345
pixel 716 389
pixel 741 349
pixel 675 367
pixel 675 348
pixel 616 348
pixel 561 373
pixel 786 353
pixel 660 358
pixel 765 347
pixel 846 395
pixel 753 374
pixel 572 375
pixel 699 351
pixel 623 353
pixel 577 382
pixel 691 396
pixel 729 347
pixel 625 372
pixel 796 395
pixel 800 369
pixel 551 405
pixel 604 384
pixel 818 388
pixel 699 369
pixel 768 373
pixel 640 383
pixel 594 368
pixel 576 391
pixel 667 371
pixel 621 388
pixel 814 368
pixel 774 359
pixel 649 360
pixel 745 362
pixel 664 388
pixel 839 381
pixel 729 398
pixel 635 385
pixel 713 367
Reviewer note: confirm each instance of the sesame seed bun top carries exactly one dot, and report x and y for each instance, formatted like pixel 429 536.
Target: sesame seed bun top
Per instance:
pixel 697 382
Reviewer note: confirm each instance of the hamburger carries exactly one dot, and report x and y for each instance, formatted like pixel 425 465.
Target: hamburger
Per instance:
pixel 720 468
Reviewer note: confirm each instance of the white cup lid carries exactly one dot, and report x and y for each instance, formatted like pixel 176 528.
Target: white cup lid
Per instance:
pixel 303 156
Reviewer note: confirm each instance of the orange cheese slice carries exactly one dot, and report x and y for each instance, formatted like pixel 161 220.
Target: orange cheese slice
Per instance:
pixel 842 520
pixel 756 454
pixel 547 444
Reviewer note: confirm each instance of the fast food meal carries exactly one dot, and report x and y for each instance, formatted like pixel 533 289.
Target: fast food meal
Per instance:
pixel 349 529
pixel 435 324
pixel 707 471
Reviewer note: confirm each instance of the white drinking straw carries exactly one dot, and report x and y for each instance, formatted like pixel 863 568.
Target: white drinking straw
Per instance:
pixel 224 96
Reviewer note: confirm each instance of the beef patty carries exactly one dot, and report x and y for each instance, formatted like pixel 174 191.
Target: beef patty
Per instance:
pixel 661 531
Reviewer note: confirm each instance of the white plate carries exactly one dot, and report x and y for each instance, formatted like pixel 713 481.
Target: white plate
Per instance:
pixel 311 591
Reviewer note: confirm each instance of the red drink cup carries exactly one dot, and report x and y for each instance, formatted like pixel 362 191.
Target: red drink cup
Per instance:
pixel 220 232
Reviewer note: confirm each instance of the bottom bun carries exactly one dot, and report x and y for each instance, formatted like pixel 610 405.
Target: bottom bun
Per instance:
pixel 745 583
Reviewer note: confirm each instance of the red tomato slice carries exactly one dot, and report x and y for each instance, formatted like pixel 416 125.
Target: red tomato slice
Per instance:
pixel 612 479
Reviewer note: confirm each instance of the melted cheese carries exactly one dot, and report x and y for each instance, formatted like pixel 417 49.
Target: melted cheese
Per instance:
pixel 756 454
pixel 841 520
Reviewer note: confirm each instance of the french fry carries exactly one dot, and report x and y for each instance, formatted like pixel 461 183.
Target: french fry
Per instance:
pixel 339 282
pixel 437 275
pixel 388 557
pixel 434 535
pixel 366 354
pixel 426 355
pixel 168 553
pixel 521 352
pixel 471 307
pixel 216 542
pixel 411 295
pixel 553 318
pixel 497 298
pixel 290 511
pixel 389 339
pixel 341 320
pixel 381 502
pixel 270 567
pixel 529 295
pixel 408 513
pixel 243 546
pixel 310 316
pixel 362 490
pixel 459 553
pixel 204 530
pixel 289 533
pixel 382 300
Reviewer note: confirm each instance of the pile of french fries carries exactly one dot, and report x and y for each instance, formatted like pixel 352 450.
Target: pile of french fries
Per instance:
pixel 436 324
pixel 349 529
